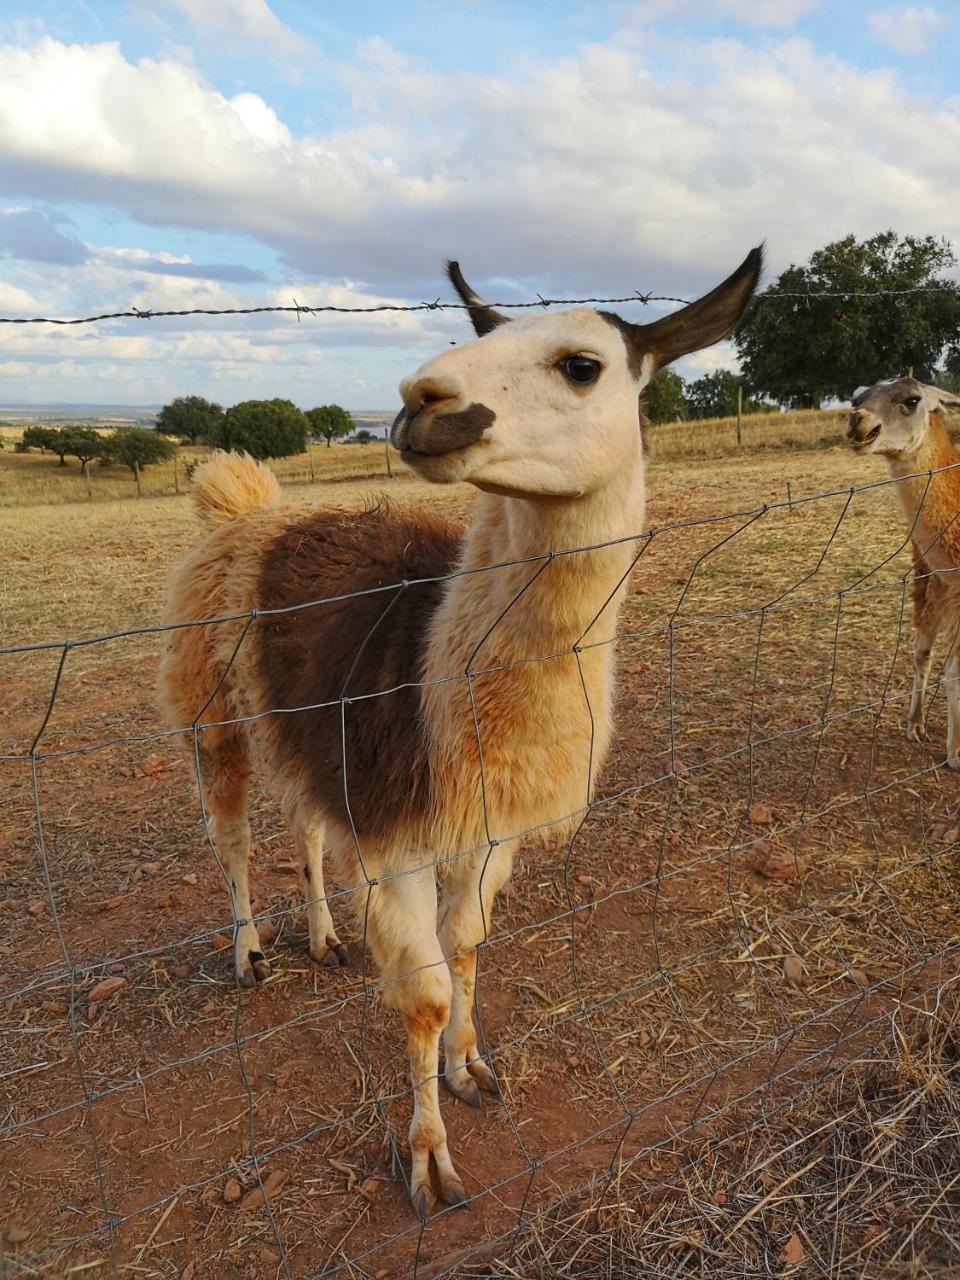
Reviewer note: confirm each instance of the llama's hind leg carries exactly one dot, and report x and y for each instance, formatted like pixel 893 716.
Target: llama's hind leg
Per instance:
pixel 951 678
pixel 325 947
pixel 922 652
pixel 226 774
pixel 468 892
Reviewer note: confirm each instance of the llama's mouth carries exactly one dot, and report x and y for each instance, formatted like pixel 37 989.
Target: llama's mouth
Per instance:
pixel 437 434
pixel 399 431
pixel 869 438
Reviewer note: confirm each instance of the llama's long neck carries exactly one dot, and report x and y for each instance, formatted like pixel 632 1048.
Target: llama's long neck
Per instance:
pixel 563 593
pixel 537 637
pixel 930 495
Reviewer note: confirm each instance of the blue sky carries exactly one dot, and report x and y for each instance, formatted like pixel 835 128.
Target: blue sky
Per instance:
pixel 174 153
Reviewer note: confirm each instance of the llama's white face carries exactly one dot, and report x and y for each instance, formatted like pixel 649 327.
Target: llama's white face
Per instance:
pixel 891 417
pixel 547 405
pixel 544 405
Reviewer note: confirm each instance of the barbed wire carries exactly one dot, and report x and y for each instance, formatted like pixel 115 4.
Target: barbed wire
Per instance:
pixel 795 1049
pixel 299 309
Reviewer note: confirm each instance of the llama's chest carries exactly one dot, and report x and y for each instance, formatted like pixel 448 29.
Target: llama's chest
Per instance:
pixel 519 746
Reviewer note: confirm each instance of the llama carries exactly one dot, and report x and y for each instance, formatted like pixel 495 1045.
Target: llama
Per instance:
pixel 901 419
pixel 428 709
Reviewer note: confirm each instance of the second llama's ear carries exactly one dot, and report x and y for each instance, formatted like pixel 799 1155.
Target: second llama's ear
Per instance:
pixel 701 323
pixel 484 318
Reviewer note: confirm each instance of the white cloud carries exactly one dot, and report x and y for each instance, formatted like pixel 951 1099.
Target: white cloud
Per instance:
pixel 760 13
pixel 319 359
pixel 587 173
pixel 602 173
pixel 16 301
pixel 908 31
pixel 252 22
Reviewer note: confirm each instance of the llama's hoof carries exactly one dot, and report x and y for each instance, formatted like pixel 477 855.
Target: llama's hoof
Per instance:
pixel 334 956
pixel 464 1089
pixel 482 1072
pixel 257 969
pixel 916 733
pixel 425 1197
pixel 423 1201
pixel 468 1082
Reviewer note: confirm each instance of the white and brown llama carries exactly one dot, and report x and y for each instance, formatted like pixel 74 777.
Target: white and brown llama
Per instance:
pixel 902 420
pixel 437 707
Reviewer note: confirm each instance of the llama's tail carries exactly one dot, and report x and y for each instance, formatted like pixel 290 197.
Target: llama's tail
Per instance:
pixel 227 483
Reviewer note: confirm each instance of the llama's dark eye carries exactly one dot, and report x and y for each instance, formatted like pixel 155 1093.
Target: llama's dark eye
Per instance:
pixel 911 403
pixel 581 369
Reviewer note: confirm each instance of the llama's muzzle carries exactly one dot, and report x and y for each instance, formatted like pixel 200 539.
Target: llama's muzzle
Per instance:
pixel 398 431
pixel 427 431
pixel 862 428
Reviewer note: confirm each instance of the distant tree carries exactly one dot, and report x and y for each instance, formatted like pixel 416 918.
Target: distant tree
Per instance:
pixel 190 418
pixel 664 399
pixel 363 436
pixel 329 421
pixel 714 395
pixel 802 350
pixel 263 428
pixel 41 438
pixel 78 442
pixel 135 447
pixel 949 375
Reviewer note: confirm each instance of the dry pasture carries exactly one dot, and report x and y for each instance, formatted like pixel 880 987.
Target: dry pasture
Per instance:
pixel 766 877
pixel 36 478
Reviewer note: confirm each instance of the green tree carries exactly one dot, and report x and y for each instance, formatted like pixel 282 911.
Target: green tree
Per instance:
pixel 714 395
pixel 329 421
pixel 664 399
pixel 190 418
pixel 41 438
pixel 78 442
pixel 363 436
pixel 801 350
pixel 263 428
pixel 135 447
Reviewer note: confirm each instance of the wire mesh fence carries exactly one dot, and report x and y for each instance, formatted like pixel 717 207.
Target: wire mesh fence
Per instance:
pixel 762 883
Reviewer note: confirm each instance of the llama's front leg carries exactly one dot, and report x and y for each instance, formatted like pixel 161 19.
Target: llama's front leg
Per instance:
pixel 401 924
pixel 922 652
pixel 227 798
pixel 325 947
pixel 952 682
pixel 468 892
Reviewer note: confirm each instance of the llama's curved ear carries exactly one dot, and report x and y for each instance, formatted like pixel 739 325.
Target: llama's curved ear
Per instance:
pixel 947 397
pixel 701 323
pixel 484 318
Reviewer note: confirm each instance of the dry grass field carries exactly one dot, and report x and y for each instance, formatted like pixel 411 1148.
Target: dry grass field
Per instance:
pixel 725 1008
pixel 35 478
pixel 30 479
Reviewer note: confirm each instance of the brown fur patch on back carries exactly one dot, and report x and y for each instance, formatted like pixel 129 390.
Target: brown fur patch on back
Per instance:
pixel 349 649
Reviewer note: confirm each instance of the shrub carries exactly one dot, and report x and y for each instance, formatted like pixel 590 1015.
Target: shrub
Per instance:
pixel 190 418
pixel 330 422
pixel 264 429
pixel 135 447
